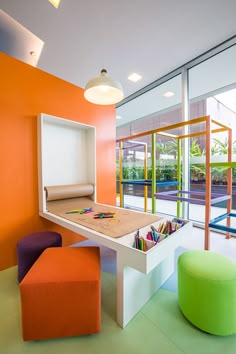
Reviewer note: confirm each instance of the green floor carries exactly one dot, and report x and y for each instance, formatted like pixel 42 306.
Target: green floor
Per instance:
pixel 158 329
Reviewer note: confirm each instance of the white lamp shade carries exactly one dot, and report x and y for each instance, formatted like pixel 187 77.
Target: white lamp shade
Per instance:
pixel 103 90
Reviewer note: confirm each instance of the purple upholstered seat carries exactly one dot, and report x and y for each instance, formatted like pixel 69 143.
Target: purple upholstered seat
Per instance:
pixel 30 248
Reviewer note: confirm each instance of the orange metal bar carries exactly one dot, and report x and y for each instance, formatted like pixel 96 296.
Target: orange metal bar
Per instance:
pixel 179 125
pixel 229 180
pixel 219 130
pixel 182 124
pixel 201 133
pixel 220 124
pixel 208 184
pixel 168 135
pixel 169 127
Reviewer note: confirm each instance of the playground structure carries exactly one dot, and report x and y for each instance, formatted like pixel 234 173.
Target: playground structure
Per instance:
pixel 146 183
pixel 211 126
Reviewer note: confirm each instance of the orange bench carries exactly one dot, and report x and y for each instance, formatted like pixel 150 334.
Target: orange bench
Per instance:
pixel 61 294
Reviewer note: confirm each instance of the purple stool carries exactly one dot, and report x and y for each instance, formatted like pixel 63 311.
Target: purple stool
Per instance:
pixel 30 248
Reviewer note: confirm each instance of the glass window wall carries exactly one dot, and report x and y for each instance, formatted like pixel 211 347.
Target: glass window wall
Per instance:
pixel 212 91
pixel 212 85
pixel 159 107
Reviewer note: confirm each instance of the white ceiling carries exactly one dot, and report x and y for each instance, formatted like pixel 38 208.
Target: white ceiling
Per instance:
pixel 17 41
pixel 207 79
pixel 151 37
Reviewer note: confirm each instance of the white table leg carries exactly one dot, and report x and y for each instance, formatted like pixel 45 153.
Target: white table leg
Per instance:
pixel 134 288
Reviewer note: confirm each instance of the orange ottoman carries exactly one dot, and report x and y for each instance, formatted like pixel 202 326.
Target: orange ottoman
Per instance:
pixel 60 295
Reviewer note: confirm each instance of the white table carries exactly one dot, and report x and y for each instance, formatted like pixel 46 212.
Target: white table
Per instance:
pixel 139 274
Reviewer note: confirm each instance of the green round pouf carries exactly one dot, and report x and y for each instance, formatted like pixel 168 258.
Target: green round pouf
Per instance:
pixel 207 291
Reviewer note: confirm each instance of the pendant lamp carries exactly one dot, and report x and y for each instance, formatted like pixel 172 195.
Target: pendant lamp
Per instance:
pixel 103 90
pixel 55 3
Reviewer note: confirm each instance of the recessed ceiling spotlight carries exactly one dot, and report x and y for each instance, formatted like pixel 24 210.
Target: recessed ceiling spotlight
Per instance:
pixel 119 117
pixel 134 77
pixel 55 3
pixel 168 94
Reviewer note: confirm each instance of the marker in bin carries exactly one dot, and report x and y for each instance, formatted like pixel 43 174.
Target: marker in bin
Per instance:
pixel 139 242
pixel 153 235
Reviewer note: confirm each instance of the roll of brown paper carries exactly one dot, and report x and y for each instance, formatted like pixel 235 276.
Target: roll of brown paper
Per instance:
pixel 68 191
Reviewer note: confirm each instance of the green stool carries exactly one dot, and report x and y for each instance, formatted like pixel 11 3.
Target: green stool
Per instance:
pixel 207 291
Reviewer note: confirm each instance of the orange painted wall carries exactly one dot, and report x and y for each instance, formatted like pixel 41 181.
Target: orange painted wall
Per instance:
pixel 25 92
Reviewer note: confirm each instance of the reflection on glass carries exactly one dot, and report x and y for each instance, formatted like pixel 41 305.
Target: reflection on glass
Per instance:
pixel 157 108
pixel 212 87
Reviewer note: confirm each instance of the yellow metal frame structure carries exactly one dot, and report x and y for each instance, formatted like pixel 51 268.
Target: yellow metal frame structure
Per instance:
pixel 209 129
